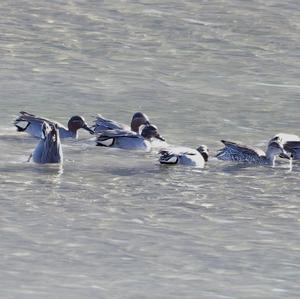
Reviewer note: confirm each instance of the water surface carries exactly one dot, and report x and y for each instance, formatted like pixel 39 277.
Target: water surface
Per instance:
pixel 116 224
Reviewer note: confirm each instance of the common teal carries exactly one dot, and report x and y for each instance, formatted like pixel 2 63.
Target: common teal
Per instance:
pixel 32 125
pixel 185 156
pixel 128 139
pixel 138 119
pixel 291 144
pixel 48 149
pixel 243 153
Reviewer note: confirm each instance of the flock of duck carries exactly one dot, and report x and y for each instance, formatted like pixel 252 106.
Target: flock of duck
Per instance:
pixel 140 135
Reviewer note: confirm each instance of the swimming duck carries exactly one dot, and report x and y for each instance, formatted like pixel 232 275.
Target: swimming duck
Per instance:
pixel 243 153
pixel 291 144
pixel 293 147
pixel 138 119
pixel 129 140
pixel 32 125
pixel 48 149
pixel 185 156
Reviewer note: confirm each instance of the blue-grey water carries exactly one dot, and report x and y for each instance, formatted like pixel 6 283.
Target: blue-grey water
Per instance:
pixel 116 224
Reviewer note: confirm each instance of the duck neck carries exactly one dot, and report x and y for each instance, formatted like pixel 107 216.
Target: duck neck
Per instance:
pixel 135 126
pixel 68 133
pixel 73 128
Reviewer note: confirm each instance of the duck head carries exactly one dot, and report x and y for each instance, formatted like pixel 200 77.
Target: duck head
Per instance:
pixel 78 122
pixel 203 150
pixel 139 119
pixel 150 132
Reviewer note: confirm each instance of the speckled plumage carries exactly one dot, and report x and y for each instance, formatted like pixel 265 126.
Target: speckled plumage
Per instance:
pixel 246 154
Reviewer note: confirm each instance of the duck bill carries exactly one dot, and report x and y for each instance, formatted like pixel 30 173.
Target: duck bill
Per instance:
pixel 157 136
pixel 285 155
pixel 88 129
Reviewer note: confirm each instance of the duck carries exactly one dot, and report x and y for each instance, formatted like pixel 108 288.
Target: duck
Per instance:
pixel 48 149
pixel 291 144
pixel 247 154
pixel 129 140
pixel 185 156
pixel 284 137
pixel 292 147
pixel 138 119
pixel 33 124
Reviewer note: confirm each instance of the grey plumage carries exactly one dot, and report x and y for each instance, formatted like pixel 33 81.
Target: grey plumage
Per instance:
pixel 291 144
pixel 293 147
pixel 138 119
pixel 127 139
pixel 184 156
pixel 49 149
pixel 32 124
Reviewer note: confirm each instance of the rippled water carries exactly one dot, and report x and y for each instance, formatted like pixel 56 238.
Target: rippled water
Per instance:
pixel 116 224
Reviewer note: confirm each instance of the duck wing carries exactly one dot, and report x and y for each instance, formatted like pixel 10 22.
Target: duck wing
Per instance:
pixel 238 152
pixel 31 118
pixel 167 156
pixel 102 124
pixel 118 133
pixel 178 151
pixel 108 137
pixel 293 147
pixel 292 144
pixel 284 137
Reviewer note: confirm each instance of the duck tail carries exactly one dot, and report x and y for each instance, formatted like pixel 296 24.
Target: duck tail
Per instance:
pixel 21 129
pixel 26 113
pixel 105 141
